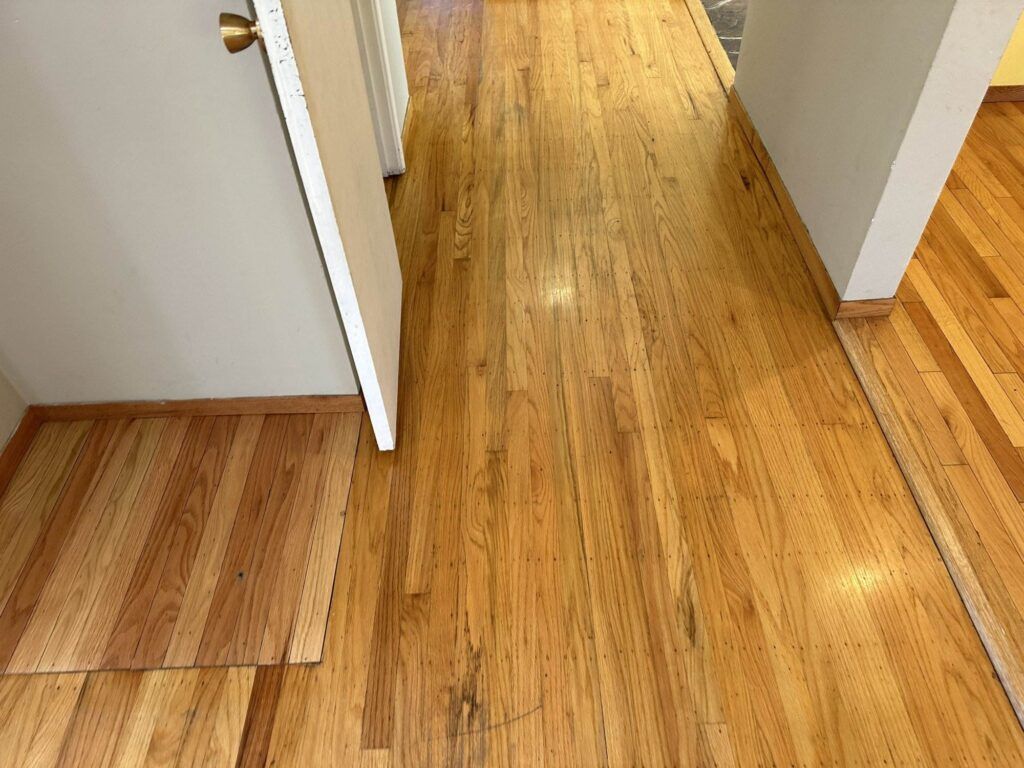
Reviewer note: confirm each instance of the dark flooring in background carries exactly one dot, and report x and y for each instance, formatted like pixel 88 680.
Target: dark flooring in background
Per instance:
pixel 727 17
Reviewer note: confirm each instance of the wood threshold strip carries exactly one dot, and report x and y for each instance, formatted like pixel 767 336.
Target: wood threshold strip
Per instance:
pixel 834 307
pixel 990 606
pixel 231 406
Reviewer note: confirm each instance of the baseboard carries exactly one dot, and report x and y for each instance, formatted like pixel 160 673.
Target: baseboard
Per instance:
pixel 231 406
pixel 1004 93
pixel 864 308
pixel 834 308
pixel 14 451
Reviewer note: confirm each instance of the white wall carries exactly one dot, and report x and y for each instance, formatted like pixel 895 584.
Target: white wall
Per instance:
pixel 863 107
pixel 11 409
pixel 153 238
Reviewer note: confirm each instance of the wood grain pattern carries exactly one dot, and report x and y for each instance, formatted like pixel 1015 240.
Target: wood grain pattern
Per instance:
pixel 116 531
pixel 956 338
pixel 640 512
pixel 13 451
pixel 26 508
pixel 177 717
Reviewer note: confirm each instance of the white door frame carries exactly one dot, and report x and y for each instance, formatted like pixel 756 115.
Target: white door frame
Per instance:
pixel 380 47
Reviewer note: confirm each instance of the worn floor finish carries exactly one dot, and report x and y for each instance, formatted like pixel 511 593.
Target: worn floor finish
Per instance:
pixel 944 373
pixel 640 513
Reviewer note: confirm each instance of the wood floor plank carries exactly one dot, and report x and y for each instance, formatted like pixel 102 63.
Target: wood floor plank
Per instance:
pixel 261 572
pixel 229 595
pixel 640 512
pixel 968 392
pixel 967 355
pixel 307 635
pixel 198 598
pixel 916 393
pixel 137 600
pixel 60 584
pixel 159 624
pixel 38 717
pixel 19 607
pixel 212 733
pixel 27 477
pixel 26 508
pixel 14 450
pixel 101 712
pixel 96 634
pixel 288 584
pixel 153 731
pixel 100 561
pixel 133 536
pixel 259 717
pixel 351 631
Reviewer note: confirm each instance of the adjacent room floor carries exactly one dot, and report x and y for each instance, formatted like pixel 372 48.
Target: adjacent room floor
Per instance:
pixel 641 512
pixel 944 375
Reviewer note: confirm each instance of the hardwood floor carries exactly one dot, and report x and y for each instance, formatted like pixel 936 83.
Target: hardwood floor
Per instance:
pixel 168 717
pixel 640 513
pixel 173 542
pixel 944 374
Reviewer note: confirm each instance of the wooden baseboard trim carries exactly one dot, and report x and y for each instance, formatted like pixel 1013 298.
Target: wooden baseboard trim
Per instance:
pixel 17 446
pixel 865 308
pixel 231 406
pixel 1004 93
pixel 830 301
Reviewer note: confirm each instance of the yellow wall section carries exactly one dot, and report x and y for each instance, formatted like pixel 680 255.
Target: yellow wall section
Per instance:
pixel 1011 68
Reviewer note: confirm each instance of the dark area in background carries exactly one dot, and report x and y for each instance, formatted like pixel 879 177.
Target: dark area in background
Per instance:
pixel 727 17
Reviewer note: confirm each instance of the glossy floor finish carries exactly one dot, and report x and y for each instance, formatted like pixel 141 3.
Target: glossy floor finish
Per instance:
pixel 640 513
pixel 173 542
pixel 945 370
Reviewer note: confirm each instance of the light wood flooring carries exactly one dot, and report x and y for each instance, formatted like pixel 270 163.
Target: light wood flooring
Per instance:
pixel 173 542
pixel 944 373
pixel 641 513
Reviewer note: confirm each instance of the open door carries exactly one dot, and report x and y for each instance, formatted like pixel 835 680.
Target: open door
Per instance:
pixel 315 62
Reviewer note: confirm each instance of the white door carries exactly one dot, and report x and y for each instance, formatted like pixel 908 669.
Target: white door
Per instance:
pixel 314 58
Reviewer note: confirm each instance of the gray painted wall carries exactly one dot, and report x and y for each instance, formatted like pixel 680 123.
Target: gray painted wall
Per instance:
pixel 153 238
pixel 863 107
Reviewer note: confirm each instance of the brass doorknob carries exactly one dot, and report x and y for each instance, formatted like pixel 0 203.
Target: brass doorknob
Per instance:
pixel 238 32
